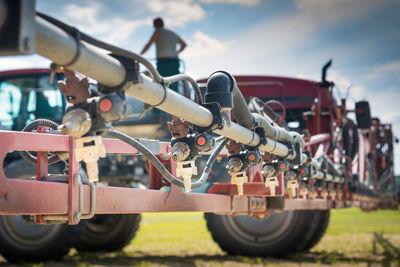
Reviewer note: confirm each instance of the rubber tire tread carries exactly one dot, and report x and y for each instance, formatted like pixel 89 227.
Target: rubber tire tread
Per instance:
pixel 318 226
pixel 126 229
pixel 65 239
pixel 283 246
pixel 55 249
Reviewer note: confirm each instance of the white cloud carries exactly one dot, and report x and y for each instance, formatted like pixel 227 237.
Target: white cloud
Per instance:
pixel 390 69
pixel 233 2
pixel 112 29
pixel 383 105
pixel 176 12
pixel 203 45
pixel 339 10
pixel 267 47
pixel 346 87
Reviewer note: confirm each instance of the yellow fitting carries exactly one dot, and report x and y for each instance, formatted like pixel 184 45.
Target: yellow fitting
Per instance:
pixel 239 178
pixel 340 194
pixel 186 169
pixel 313 194
pixel 292 187
pixel 303 192
pixel 271 183
pixel 332 194
pixel 89 149
pixel 324 194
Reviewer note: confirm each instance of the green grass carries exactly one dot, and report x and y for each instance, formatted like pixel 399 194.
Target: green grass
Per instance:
pixel 182 239
pixel 355 221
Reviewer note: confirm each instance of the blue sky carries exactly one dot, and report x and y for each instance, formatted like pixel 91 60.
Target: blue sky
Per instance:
pixel 288 38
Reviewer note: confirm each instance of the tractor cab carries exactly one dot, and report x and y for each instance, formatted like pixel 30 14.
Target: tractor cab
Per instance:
pixel 27 95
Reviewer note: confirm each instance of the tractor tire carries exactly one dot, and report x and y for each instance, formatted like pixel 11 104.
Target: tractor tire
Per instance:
pixel 317 229
pixel 276 236
pixel 108 232
pixel 23 241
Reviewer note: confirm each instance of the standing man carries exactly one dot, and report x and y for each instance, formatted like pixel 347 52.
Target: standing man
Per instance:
pixel 167 55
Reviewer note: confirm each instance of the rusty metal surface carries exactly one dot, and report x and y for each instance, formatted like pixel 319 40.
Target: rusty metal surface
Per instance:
pixel 233 147
pixel 74 88
pixel 179 128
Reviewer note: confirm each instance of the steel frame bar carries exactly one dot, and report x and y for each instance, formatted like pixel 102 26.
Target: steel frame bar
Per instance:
pixel 38 197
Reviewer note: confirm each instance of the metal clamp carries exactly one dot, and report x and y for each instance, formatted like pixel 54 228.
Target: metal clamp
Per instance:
pixel 131 75
pixel 78 216
pixel 217 122
pixel 92 210
pixel 260 131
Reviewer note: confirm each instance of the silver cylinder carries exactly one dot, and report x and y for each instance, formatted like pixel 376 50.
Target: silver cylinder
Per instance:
pixel 58 46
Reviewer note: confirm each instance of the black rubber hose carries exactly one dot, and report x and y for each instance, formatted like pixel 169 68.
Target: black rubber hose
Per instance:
pixel 26 155
pixel 241 111
pixel 159 166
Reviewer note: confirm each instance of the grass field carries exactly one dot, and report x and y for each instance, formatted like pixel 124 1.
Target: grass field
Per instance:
pixel 183 240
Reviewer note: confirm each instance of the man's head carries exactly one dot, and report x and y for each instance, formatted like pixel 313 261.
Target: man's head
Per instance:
pixel 158 23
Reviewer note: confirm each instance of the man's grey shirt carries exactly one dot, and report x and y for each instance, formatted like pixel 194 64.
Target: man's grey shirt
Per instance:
pixel 166 44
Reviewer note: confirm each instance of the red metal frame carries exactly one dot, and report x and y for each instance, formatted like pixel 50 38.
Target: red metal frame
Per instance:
pixel 24 72
pixel 39 197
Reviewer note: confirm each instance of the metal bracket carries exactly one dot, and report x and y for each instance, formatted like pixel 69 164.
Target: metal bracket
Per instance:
pixel 77 216
pixel 217 122
pixel 132 75
pixel 260 131
pixel 297 159
pixel 257 206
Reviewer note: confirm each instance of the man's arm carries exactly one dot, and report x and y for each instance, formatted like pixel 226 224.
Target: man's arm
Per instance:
pixel 182 44
pixel 153 39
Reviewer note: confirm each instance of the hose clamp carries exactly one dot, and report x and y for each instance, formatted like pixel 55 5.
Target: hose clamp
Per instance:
pixel 260 131
pixel 131 75
pixel 217 121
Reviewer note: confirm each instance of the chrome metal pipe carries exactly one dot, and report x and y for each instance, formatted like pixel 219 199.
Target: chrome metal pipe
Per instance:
pixel 60 47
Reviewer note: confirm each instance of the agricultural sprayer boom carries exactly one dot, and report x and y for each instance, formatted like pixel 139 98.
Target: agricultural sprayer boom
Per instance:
pixel 330 163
